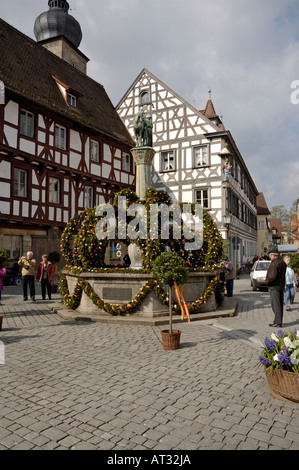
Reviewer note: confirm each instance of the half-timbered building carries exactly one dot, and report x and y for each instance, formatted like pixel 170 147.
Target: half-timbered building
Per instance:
pixel 63 147
pixel 188 162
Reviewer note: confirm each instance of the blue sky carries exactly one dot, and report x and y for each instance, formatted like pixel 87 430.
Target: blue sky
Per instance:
pixel 246 50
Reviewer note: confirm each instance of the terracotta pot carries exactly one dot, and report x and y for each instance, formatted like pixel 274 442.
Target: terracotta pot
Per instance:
pixel 171 341
pixel 284 385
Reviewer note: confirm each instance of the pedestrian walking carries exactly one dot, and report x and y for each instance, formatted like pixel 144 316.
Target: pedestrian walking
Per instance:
pixel 229 277
pixel 28 265
pixel 45 273
pixel 275 281
pixel 290 285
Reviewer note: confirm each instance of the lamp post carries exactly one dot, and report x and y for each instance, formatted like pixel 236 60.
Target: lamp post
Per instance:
pixel 227 219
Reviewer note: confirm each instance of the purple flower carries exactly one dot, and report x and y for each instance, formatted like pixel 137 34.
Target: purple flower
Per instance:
pixel 265 361
pixel 270 345
pixel 283 358
pixel 279 334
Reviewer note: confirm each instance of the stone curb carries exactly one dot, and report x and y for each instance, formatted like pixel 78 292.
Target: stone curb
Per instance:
pixel 227 309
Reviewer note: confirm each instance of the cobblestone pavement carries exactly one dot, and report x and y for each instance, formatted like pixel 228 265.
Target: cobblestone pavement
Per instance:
pixel 78 385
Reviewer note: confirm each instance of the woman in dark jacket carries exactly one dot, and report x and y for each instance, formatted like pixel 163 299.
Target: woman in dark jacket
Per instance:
pixel 45 273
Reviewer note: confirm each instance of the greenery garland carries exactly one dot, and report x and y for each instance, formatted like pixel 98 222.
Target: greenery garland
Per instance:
pixel 83 252
pixel 73 301
pixel 88 251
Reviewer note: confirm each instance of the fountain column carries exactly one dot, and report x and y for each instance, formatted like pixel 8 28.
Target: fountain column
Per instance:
pixel 143 155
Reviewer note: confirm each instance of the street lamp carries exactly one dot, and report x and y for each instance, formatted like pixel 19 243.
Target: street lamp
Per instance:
pixel 227 219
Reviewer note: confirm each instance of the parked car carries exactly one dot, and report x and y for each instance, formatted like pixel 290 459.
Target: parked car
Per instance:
pixel 12 281
pixel 258 274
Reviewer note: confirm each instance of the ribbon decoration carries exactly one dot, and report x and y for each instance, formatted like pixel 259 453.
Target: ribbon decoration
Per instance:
pixel 182 302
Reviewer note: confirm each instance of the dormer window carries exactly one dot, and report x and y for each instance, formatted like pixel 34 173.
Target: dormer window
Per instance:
pixel 72 100
pixel 70 95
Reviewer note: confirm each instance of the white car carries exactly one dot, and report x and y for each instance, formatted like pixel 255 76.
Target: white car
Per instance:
pixel 258 274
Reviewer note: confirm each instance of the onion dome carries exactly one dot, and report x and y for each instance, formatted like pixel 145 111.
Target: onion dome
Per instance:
pixel 57 22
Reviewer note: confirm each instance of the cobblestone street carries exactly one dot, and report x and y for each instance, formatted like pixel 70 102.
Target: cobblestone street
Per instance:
pixel 80 385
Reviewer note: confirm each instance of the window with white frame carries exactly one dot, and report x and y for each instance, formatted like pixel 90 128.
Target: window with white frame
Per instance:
pixel 20 183
pixel 167 161
pixel 72 100
pixel 27 123
pixel 145 97
pixel 54 190
pixel 200 155
pixel 88 197
pixel 60 137
pixel 202 197
pixel 126 162
pixel 94 150
pixel 13 244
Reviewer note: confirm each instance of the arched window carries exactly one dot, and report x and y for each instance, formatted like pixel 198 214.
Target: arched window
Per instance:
pixel 144 97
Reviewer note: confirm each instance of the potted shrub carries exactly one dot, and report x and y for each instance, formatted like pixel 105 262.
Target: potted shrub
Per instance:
pixel 54 258
pixel 280 358
pixel 170 268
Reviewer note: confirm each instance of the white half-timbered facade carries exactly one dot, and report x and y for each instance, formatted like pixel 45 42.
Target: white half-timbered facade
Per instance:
pixel 187 162
pixel 63 147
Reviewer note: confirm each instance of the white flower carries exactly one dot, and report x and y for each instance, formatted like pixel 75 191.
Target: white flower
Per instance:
pixel 275 357
pixel 274 337
pixel 288 342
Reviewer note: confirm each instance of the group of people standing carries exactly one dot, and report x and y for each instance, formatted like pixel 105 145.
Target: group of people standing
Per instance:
pixel 280 280
pixel 44 275
pixel 281 283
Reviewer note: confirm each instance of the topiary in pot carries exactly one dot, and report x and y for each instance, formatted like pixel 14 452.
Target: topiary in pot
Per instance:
pixel 169 268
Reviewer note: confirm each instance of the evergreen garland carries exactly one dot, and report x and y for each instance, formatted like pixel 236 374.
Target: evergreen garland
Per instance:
pixel 73 301
pixel 84 252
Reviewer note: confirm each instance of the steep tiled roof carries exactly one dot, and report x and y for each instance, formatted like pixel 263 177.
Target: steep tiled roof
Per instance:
pixel 210 113
pixel 276 224
pixel 261 206
pixel 27 69
pixel 209 110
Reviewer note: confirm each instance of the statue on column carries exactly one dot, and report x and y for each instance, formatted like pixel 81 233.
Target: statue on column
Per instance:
pixel 143 129
pixel 143 155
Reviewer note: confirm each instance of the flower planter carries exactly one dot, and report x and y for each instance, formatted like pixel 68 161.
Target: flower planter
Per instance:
pixel 171 341
pixel 284 385
pixel 1 320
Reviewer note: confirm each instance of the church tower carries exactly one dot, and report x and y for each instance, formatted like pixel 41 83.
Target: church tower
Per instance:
pixel 60 33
